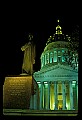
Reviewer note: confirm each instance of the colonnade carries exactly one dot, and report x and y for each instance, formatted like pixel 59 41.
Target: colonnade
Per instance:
pixel 54 56
pixel 42 103
pixel 49 58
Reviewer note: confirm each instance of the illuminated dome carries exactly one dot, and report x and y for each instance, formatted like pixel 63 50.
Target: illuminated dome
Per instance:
pixel 57 44
pixel 56 50
pixel 54 53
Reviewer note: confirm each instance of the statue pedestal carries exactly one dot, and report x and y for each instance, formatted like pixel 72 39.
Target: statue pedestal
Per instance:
pixel 17 91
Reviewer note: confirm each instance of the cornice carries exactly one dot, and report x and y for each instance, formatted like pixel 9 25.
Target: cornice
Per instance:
pixel 47 69
pixel 43 76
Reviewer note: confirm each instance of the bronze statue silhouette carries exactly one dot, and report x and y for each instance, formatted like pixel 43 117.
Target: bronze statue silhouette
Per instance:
pixel 29 56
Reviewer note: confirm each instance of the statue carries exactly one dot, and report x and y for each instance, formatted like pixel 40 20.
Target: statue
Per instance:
pixel 29 56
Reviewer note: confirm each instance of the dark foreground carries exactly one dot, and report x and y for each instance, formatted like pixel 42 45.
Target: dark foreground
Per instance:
pixel 20 112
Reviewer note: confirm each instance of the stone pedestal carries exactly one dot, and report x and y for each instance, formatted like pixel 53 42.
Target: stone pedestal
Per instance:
pixel 17 91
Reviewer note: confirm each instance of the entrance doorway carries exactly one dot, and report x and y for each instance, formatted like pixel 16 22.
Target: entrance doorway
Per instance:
pixel 60 104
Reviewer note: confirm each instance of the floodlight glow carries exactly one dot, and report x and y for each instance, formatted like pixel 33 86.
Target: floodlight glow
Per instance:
pixel 66 105
pixel 73 82
pixel 38 82
pixel 57 20
pixel 45 82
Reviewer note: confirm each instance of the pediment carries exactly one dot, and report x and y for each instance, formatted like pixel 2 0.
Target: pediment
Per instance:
pixel 61 71
pixel 57 71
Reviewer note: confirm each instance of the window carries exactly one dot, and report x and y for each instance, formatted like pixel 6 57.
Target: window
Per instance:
pixel 58 51
pixel 66 58
pixel 63 58
pixel 59 58
pixel 63 51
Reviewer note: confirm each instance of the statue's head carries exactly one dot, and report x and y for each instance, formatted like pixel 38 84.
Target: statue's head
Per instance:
pixel 30 37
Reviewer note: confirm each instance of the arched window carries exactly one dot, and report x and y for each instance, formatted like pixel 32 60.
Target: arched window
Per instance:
pixel 59 58
pixel 63 51
pixel 59 52
pixel 63 56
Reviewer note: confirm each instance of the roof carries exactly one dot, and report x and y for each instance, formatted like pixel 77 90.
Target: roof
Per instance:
pixel 57 44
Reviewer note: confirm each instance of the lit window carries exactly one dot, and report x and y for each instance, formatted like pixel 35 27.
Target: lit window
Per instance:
pixel 59 58
pixel 58 51
pixel 63 51
pixel 63 58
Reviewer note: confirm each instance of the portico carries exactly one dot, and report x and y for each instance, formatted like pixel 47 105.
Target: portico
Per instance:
pixel 57 92
pixel 52 98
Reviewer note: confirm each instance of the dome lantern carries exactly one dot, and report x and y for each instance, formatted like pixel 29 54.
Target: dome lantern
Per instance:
pixel 58 29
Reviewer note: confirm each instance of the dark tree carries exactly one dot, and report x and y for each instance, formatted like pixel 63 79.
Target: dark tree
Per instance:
pixel 73 45
pixel 74 39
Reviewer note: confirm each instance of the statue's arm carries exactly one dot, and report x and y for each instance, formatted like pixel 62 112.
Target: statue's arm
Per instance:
pixel 24 47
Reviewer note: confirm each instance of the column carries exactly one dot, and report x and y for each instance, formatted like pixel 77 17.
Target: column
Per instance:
pixel 42 62
pixel 56 96
pixel 55 56
pixel 77 94
pixel 71 95
pixel 64 95
pixel 48 95
pixel 41 96
pixel 35 100
pixel 44 96
pixel 49 57
pixel 45 59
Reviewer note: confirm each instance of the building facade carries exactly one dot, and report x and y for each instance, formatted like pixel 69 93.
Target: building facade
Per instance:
pixel 58 77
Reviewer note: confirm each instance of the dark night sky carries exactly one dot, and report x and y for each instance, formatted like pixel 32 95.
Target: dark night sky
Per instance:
pixel 41 25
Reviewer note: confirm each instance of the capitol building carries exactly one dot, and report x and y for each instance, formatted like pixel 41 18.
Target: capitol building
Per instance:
pixel 58 77
pixel 54 86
